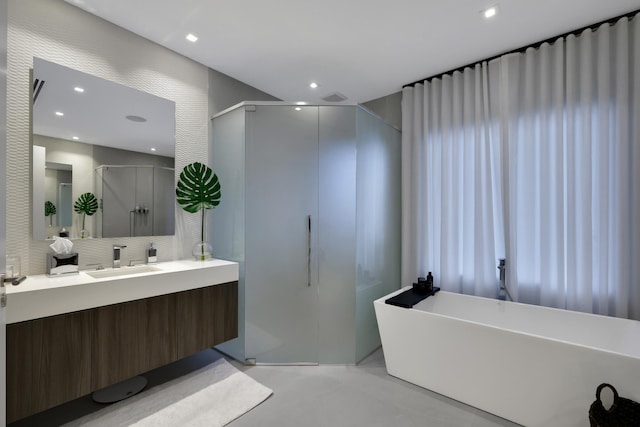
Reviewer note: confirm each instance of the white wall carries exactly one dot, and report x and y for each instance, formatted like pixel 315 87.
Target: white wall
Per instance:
pixel 387 108
pixel 64 34
pixel 225 91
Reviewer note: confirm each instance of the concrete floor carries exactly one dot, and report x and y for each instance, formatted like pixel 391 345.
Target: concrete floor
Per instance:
pixel 314 396
pixel 362 395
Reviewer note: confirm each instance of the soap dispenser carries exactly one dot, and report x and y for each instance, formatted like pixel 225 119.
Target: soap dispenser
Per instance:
pixel 151 254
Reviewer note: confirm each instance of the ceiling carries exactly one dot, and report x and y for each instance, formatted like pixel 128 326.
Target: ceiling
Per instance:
pixel 363 49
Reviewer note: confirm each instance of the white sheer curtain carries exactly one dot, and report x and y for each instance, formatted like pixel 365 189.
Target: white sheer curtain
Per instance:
pixel 570 125
pixel 535 156
pixel 451 184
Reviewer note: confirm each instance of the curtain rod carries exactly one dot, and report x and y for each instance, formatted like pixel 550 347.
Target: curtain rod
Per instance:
pixel 535 45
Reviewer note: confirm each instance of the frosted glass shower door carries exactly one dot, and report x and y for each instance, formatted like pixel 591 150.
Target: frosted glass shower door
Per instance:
pixel 281 304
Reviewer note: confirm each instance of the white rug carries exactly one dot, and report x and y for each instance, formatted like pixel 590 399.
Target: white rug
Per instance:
pixel 211 396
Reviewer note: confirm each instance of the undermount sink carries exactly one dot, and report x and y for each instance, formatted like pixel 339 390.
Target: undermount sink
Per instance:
pixel 122 271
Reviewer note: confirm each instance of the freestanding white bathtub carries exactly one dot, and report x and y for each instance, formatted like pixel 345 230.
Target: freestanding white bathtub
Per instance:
pixel 533 365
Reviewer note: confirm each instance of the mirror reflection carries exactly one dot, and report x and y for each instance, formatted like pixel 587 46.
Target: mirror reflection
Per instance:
pixel 94 136
pixel 58 194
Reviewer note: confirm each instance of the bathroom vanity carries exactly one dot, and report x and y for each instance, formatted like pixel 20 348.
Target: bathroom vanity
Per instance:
pixel 69 336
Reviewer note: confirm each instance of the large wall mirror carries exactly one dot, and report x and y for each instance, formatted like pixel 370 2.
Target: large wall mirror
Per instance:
pixel 94 136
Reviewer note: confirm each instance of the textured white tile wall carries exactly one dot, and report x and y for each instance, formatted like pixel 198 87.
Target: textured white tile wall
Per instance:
pixel 61 33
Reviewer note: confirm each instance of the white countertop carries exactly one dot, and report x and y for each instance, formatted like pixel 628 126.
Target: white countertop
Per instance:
pixel 42 296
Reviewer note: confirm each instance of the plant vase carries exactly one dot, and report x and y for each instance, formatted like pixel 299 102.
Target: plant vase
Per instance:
pixel 202 251
pixel 83 232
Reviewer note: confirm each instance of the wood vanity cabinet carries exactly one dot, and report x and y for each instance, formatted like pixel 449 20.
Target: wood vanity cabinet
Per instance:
pixel 56 359
pixel 48 362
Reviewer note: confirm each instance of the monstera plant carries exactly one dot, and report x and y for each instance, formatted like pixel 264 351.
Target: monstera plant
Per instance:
pixel 50 211
pixel 198 189
pixel 87 204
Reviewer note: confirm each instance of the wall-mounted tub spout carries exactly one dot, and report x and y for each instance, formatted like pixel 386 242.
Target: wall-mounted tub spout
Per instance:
pixel 503 291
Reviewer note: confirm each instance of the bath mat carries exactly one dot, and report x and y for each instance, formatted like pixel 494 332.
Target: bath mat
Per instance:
pixel 211 396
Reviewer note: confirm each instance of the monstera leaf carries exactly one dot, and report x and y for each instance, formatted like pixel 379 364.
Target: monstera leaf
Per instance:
pixel 198 189
pixel 49 208
pixel 87 204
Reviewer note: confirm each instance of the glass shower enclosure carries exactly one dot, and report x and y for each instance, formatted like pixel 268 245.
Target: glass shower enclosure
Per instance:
pixel 311 212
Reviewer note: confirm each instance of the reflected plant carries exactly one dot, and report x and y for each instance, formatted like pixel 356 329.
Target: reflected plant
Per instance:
pixel 87 204
pixel 50 211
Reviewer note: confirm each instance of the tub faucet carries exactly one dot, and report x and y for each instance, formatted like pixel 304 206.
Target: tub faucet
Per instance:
pixel 503 292
pixel 116 255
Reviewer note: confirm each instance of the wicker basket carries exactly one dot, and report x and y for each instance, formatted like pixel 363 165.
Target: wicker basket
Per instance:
pixel 623 412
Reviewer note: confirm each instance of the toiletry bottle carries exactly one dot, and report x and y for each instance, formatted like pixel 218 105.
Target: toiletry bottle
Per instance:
pixel 429 282
pixel 151 254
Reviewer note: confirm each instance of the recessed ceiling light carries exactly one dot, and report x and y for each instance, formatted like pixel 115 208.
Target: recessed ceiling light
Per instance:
pixel 490 12
pixel 75 138
pixel 78 89
pixel 59 113
pixel 136 119
pixel 192 38
pixel 301 103
pixel 298 108
pixel 313 85
pixel 153 149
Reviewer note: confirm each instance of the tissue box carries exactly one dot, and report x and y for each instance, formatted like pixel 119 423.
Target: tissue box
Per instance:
pixel 62 264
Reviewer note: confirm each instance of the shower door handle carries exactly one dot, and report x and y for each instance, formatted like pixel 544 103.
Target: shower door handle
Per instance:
pixel 308 250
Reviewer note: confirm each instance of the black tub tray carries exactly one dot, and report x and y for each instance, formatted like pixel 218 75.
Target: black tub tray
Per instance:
pixel 410 297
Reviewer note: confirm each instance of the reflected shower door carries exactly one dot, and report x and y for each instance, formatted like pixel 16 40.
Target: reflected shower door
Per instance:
pixel 118 201
pixel 65 201
pixel 281 233
pixel 142 215
pixel 164 202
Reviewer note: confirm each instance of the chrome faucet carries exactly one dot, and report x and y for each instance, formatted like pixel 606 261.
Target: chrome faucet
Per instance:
pixel 116 255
